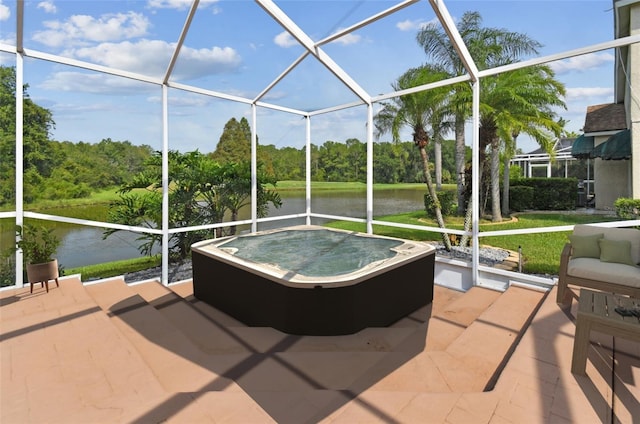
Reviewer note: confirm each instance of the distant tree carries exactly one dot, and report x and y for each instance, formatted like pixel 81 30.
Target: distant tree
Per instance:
pixel 357 159
pixel 234 146
pixel 332 158
pixel 389 161
pixel 235 142
pixel 39 157
pixel 288 162
pixel 52 169
pixel 317 172
pixel 105 164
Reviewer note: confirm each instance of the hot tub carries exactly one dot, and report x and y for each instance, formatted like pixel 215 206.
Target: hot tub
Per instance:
pixel 313 280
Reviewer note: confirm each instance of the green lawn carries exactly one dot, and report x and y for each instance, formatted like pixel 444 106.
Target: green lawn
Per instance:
pixel 112 269
pixel 541 251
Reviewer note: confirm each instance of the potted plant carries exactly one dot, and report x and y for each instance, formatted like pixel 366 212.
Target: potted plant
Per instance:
pixel 39 245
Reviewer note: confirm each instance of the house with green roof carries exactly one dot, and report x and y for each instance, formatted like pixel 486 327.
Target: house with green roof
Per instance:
pixel 612 131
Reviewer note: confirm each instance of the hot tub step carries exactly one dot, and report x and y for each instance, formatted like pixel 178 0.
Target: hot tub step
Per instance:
pixel 467 308
pixel 175 361
pixel 185 291
pixel 264 339
pixel 487 343
pixel 207 334
pixel 256 339
pixel 452 317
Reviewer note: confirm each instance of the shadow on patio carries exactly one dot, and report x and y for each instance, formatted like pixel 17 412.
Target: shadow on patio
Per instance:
pixel 159 354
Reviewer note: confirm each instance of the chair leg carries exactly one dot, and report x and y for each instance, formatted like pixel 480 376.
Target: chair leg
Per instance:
pixel 563 296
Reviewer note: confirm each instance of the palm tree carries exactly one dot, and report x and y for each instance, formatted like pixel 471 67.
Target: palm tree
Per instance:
pixel 488 47
pixel 507 154
pixel 419 111
pixel 440 125
pixel 516 102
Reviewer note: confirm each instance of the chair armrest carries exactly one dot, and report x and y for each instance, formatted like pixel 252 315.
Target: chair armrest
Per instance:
pixel 564 259
pixel 564 295
pixel 566 250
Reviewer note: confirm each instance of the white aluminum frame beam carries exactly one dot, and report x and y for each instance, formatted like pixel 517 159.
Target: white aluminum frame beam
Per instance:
pixel 450 28
pixel 180 43
pixel 292 28
pixel 366 22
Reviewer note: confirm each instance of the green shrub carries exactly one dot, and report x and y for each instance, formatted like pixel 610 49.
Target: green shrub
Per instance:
pixel 38 243
pixel 627 208
pixel 447 200
pixel 555 194
pixel 7 270
pixel 521 198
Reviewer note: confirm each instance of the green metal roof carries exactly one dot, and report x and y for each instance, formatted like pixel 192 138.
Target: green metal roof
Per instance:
pixel 617 147
pixel 582 147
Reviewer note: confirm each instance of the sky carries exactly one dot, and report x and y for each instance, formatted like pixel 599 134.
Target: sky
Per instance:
pixel 235 48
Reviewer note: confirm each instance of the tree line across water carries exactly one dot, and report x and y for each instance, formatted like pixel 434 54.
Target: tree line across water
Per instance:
pixel 67 170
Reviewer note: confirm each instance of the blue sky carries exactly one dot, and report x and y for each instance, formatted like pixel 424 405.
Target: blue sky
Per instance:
pixel 234 47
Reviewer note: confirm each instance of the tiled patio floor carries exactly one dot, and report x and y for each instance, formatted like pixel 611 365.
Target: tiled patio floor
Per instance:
pixel 111 353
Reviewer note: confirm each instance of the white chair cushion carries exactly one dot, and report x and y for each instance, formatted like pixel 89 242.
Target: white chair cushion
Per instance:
pixel 594 269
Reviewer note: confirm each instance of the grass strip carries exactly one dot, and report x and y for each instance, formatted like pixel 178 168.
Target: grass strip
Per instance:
pixel 115 268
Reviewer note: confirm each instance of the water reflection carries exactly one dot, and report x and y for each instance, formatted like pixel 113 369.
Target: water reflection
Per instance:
pixel 85 246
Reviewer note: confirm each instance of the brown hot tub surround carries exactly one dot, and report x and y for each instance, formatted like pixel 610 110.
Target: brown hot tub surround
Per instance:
pixel 313 280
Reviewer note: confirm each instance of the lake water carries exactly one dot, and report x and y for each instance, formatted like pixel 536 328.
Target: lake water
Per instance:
pixel 85 245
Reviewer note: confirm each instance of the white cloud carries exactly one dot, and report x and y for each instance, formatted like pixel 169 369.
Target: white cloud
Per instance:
pixel 183 101
pixel 284 39
pixel 151 57
pixel 82 82
pixel 47 6
pixel 7 60
pixel 348 39
pixel 582 63
pixel 418 24
pixel 408 25
pixel 178 4
pixel 80 29
pixel 274 95
pixel 5 13
pixel 588 92
pixel 215 60
pixel 169 4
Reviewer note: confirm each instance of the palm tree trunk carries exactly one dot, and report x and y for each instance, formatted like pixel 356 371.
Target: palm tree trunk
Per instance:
pixel 437 152
pixel 464 240
pixel 460 164
pixel 434 196
pixel 505 184
pixel 496 216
